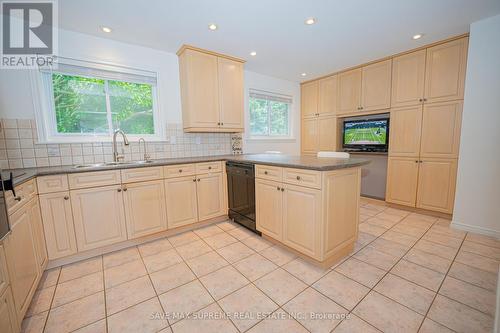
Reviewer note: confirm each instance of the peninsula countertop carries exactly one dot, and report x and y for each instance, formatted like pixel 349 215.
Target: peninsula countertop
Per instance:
pixel 281 160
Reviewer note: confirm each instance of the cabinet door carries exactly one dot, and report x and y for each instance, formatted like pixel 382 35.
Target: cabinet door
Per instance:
pixel 58 224
pixel 8 319
pixel 145 210
pixel 199 89
pixel 99 217
pixel 180 196
pixel 408 74
pixel 269 208
pixel 230 75
pixel 309 99
pixel 441 123
pixel 405 130
pixel 327 133
pixel 349 91
pixel 376 86
pixel 210 194
pixel 310 135
pixel 402 176
pixel 445 71
pixel 436 184
pixel 4 273
pixel 327 95
pixel 22 260
pixel 302 219
pixel 38 234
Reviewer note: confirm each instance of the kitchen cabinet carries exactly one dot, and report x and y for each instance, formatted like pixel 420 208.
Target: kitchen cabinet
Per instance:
pixel 269 208
pixel 99 216
pixel 211 91
pixel 22 260
pixel 8 319
pixel 376 86
pixel 445 71
pixel 408 75
pixel 319 134
pixel 327 98
pixel 145 209
pixel 349 91
pixel 182 207
pixel 58 224
pixel 210 196
pixel 310 137
pixel 402 180
pixel 4 273
pixel 436 184
pixel 309 99
pixel 441 124
pixel 38 233
pixel 405 131
pixel 302 213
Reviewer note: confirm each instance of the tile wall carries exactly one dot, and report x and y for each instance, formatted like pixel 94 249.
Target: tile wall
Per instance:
pixel 19 147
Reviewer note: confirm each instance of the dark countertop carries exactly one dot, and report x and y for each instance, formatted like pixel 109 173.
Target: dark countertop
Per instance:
pixel 281 160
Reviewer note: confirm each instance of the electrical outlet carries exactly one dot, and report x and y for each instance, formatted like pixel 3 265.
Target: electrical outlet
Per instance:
pixel 198 140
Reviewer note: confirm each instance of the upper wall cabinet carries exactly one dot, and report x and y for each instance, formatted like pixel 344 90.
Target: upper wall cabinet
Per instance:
pixel 445 71
pixel 349 91
pixel 376 86
pixel 309 99
pixel 408 75
pixel 327 96
pixel 211 91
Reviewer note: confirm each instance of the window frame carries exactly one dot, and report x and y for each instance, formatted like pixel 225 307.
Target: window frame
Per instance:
pixel 45 110
pixel 269 136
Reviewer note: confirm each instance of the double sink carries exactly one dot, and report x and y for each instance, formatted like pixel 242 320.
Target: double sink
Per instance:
pixel 97 165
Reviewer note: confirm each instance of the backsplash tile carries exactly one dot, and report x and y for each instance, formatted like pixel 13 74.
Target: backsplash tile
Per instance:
pixel 19 147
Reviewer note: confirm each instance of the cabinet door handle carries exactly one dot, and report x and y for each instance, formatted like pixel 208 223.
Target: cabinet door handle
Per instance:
pixel 66 197
pixel 265 172
pixel 194 180
pixel 278 188
pixel 222 124
pixel 298 177
pixel 17 198
pixel 282 189
pixel 119 190
pixel 420 99
pixel 198 179
pixel 209 168
pixel 180 170
pixel 125 189
pixel 425 99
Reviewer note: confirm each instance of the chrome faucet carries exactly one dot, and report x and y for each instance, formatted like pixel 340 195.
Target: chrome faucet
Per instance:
pixel 146 155
pixel 117 157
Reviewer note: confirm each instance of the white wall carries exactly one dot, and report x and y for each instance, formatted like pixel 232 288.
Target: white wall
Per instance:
pixel 273 85
pixel 477 203
pixel 16 98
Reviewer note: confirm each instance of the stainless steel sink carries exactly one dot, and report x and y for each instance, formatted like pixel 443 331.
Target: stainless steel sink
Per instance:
pixel 97 165
pixel 84 166
pixel 143 162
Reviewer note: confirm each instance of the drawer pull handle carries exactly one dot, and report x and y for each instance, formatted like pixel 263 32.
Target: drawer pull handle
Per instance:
pixel 66 197
pixel 282 189
pixel 119 190
pixel 194 180
pixel 180 170
pixel 209 168
pixel 198 179
pixel 278 188
pixel 125 189
pixel 265 172
pixel 17 198
pixel 298 177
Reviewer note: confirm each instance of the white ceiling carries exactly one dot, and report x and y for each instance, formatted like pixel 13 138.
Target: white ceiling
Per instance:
pixel 347 32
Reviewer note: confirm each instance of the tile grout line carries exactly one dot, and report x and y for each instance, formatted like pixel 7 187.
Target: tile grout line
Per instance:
pixel 51 301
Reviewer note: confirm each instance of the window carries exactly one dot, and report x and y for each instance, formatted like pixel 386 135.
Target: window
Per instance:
pixel 269 114
pixel 85 103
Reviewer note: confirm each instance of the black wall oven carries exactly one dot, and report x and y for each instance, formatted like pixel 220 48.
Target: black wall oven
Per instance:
pixel 241 193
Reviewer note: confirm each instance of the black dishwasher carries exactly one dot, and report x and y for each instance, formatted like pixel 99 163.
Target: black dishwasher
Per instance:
pixel 241 193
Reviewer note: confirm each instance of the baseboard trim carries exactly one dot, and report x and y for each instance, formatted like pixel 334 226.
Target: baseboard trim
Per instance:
pixel 476 229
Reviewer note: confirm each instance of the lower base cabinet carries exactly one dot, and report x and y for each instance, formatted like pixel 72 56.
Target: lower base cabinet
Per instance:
pixel 8 319
pixel 145 211
pixel 99 216
pixel 210 196
pixel 38 234
pixel 182 207
pixel 269 208
pixel 402 180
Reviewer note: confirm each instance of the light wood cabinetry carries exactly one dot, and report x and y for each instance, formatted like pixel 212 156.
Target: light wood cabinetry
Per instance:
pixel 436 184
pixel 402 180
pixel 319 134
pixel 441 123
pixel 182 207
pixel 269 208
pixel 22 260
pixel 405 131
pixel 58 224
pixel 310 135
pixel 53 183
pixel 349 91
pixel 445 71
pixel 210 196
pixel 98 216
pixel 211 91
pixel 8 319
pixel 408 75
pixel 4 273
pixel 315 213
pixel 145 211
pixel 327 98
pixel 309 99
pixel 94 179
pixel 38 233
pixel 376 86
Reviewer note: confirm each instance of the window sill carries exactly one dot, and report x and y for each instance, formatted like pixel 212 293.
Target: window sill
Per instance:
pixel 271 139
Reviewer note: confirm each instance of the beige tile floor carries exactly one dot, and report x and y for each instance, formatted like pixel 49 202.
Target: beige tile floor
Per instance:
pixel 408 273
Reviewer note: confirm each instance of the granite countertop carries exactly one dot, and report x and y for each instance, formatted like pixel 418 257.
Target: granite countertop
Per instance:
pixel 281 160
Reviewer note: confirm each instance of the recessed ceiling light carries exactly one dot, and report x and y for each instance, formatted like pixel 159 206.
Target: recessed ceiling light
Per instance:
pixel 106 29
pixel 303 74
pixel 253 53
pixel 310 21
pixel 417 36
pixel 212 27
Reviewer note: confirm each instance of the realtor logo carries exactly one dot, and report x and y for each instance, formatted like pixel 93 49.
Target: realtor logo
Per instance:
pixel 28 33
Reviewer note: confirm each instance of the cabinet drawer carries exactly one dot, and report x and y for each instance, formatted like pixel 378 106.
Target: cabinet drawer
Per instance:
pixel 269 172
pixel 24 193
pixel 302 177
pixel 141 174
pixel 179 170
pixel 93 179
pixel 208 167
pixel 51 184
